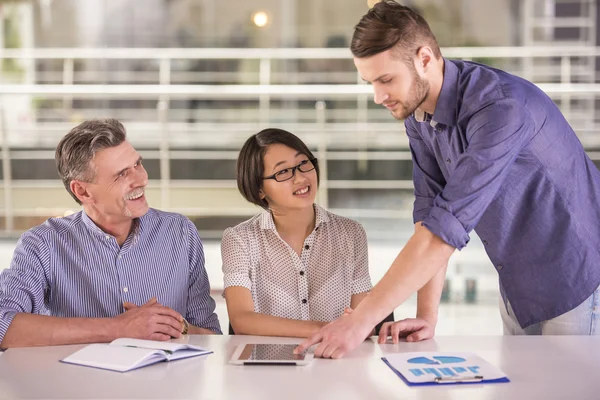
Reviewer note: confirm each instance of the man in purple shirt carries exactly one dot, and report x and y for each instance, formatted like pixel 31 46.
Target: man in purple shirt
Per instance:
pixel 116 269
pixel 491 153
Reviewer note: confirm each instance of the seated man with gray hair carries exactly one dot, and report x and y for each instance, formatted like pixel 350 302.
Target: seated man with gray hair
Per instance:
pixel 116 269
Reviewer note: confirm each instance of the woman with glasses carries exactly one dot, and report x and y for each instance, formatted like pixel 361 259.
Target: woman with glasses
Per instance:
pixel 294 267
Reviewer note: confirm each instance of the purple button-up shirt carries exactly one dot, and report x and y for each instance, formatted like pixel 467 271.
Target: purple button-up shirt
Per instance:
pixel 68 267
pixel 498 157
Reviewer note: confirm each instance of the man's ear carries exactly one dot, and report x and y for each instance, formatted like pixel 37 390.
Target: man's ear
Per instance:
pixel 424 57
pixel 80 190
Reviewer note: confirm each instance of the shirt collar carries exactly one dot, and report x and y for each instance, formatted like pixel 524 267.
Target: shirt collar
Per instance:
pixel 95 229
pixel 445 108
pixel 422 116
pixel 267 222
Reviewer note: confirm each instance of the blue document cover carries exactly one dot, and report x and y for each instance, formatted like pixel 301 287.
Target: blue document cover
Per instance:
pixel 435 368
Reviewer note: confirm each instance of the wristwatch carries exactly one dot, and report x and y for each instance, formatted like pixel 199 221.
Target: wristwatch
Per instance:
pixel 185 327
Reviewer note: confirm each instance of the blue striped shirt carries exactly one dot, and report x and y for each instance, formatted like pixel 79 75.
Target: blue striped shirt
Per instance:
pixel 68 267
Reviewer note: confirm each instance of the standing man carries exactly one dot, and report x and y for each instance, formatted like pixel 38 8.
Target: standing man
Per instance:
pixel 116 269
pixel 491 153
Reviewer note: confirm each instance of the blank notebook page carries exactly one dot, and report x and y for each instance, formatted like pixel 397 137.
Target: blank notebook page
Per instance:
pixel 114 357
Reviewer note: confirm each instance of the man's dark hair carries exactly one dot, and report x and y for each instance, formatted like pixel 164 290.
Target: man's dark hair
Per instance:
pixel 391 25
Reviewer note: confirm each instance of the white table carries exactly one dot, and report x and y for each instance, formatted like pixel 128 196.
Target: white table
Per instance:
pixel 539 368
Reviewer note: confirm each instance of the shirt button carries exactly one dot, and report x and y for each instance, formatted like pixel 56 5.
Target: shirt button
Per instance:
pixel 306 247
pixel 499 267
pixel 120 256
pixel 107 237
pixel 448 160
pixel 439 129
pixel 302 273
pixel 125 289
pixel 304 301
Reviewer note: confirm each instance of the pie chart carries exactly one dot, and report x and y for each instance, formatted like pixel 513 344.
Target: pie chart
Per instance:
pixel 436 360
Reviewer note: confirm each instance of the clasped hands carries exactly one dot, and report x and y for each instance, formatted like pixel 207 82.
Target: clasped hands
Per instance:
pixel 151 321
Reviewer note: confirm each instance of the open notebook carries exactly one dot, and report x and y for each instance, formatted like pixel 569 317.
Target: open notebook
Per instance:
pixel 126 354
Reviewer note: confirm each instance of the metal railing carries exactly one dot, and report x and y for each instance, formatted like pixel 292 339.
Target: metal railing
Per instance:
pixel 371 139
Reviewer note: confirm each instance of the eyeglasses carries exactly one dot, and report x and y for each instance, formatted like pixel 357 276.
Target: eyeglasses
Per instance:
pixel 288 173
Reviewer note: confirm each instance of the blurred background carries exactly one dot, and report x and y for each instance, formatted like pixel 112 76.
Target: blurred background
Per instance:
pixel 192 79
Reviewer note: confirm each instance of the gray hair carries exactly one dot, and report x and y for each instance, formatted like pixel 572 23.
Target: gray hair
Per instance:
pixel 78 148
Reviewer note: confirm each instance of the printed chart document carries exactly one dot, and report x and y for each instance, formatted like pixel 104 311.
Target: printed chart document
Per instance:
pixel 126 354
pixel 435 368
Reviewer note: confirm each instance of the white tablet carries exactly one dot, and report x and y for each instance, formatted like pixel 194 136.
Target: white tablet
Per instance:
pixel 269 354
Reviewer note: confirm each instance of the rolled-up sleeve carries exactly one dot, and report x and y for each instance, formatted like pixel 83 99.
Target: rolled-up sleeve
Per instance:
pixel 496 135
pixel 236 260
pixel 23 286
pixel 201 306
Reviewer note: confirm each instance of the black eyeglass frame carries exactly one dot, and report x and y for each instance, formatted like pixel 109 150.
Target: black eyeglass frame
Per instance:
pixel 297 167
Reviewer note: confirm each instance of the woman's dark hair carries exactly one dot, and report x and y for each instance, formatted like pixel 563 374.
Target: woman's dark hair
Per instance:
pixel 250 162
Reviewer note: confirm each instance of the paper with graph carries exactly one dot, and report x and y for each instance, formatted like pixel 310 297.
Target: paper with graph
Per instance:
pixel 433 368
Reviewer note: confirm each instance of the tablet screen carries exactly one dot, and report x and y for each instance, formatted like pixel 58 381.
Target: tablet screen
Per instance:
pixel 270 352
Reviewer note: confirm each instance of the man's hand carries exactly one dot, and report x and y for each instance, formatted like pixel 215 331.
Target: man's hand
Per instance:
pixel 151 321
pixel 348 311
pixel 337 338
pixel 413 329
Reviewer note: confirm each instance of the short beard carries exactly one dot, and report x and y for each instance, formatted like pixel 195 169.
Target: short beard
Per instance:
pixel 418 94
